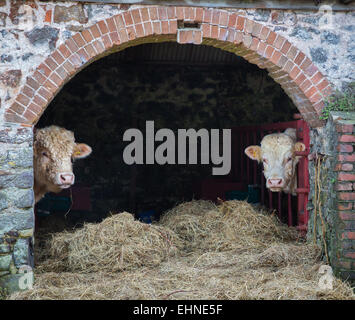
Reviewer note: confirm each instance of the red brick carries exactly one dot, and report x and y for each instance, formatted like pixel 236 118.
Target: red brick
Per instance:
pixel 35 108
pixel 185 36
pixel 57 57
pixel 44 93
pixel 107 41
pixel 189 13
pixel 48 16
pixel 299 58
pixel 162 13
pixel 120 22
pixel 51 63
pixel 62 73
pixel 256 29
pixel 271 38
pixel 99 46
pixel 294 73
pixel 148 29
pixel 207 16
pixel 347 196
pixel 145 14
pixel 223 19
pixel 232 20
pixel 279 42
pixel 30 116
pixel 111 25
pixel 348 235
pixel 346 157
pixel 345 148
pixel 311 70
pixel 198 16
pixel 197 37
pixel 222 34
pixel 264 33
pixel 127 18
pixel 140 30
pixel 345 206
pixel 215 16
pixel 269 51
pixel 215 32
pixel 72 46
pixel 137 16
pixel 28 91
pixel 240 23
pixel 39 100
pixel 347 215
pixel 164 27
pixel 50 86
pixel 32 83
pixel 344 186
pixel 301 77
pixel 95 31
pixel 153 12
pixel 156 27
pixel 311 91
pixel 347 138
pixel 343 176
pixel 315 98
pixel 18 108
pixel 346 128
pixel 43 69
pixel 286 46
pixel 292 52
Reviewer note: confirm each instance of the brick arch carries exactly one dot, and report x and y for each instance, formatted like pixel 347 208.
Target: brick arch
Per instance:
pixel 286 64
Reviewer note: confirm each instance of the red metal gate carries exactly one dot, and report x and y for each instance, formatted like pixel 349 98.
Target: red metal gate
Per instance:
pixel 248 171
pixel 244 172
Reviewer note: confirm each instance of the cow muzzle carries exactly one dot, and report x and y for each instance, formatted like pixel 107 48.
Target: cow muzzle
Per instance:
pixel 275 184
pixel 65 179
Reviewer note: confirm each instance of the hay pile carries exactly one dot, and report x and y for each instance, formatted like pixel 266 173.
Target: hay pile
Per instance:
pixel 117 243
pixel 197 251
pixel 233 225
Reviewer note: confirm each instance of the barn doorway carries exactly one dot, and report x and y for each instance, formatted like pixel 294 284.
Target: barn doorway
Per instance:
pixel 176 86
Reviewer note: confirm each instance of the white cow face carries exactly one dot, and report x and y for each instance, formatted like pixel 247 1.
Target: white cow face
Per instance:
pixel 54 151
pixel 277 152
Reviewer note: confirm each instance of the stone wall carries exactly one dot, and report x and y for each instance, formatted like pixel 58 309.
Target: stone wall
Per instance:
pixel 16 202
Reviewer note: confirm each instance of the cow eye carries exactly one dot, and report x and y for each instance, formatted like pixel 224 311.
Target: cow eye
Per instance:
pixel 265 160
pixel 44 154
pixel 289 159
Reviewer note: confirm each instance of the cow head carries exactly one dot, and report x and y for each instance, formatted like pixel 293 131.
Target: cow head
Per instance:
pixel 277 153
pixel 55 150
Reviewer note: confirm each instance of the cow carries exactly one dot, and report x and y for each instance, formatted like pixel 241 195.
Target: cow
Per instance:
pixel 277 152
pixel 54 151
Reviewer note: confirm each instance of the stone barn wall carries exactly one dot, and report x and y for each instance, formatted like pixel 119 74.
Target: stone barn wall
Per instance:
pixel 44 44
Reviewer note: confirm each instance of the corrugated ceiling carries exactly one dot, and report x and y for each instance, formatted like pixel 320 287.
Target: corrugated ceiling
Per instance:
pixel 171 52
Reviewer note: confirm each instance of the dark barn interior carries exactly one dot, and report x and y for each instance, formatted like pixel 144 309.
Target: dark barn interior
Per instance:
pixel 177 86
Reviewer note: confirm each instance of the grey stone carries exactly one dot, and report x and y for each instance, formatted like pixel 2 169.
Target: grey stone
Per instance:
pixel 5 248
pixel 25 199
pixel 26 56
pixel 5 180
pixel 6 58
pixel 24 180
pixel 16 220
pixel 5 262
pixel 41 36
pixel 20 254
pixel 301 33
pixel 20 158
pixel 262 15
pixel 350 28
pixel 330 38
pixel 4 203
pixel 319 55
pixel 3 17
pixel 15 134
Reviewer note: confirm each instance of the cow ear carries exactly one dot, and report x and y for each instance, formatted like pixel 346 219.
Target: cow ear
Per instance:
pixel 299 146
pixel 81 150
pixel 253 152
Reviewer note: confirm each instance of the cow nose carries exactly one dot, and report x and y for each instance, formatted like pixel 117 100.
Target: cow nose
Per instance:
pixel 66 178
pixel 275 182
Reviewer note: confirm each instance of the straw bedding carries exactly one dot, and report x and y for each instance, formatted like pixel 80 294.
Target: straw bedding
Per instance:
pixel 197 251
